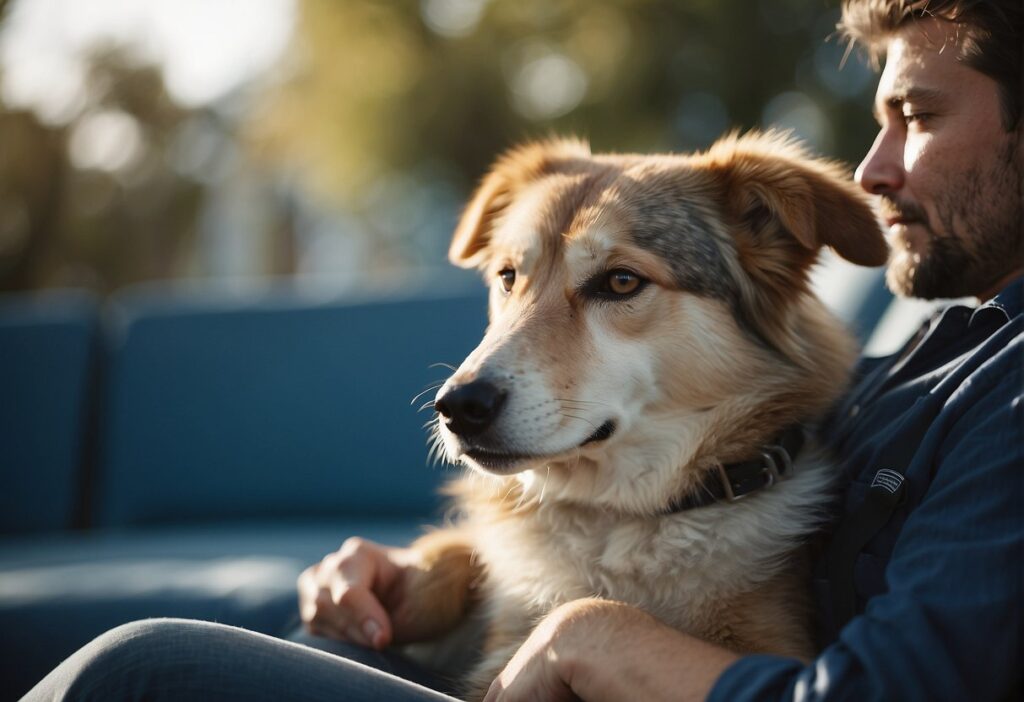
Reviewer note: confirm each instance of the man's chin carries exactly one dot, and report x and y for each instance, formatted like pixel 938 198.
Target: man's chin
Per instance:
pixel 942 271
pixel 901 272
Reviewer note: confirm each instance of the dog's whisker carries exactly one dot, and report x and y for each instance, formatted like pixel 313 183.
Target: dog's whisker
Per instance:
pixel 582 419
pixel 573 405
pixel 441 364
pixel 583 402
pixel 544 486
pixel 436 444
pixel 437 453
pixel 424 406
pixel 519 502
pixel 581 410
pixel 432 386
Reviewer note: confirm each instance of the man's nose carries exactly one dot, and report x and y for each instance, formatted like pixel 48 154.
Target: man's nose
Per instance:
pixel 471 408
pixel 881 171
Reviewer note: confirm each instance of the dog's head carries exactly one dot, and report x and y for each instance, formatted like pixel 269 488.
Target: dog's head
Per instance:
pixel 648 313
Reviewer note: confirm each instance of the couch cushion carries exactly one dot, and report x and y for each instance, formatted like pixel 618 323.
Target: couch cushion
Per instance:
pixel 58 592
pixel 47 354
pixel 219 409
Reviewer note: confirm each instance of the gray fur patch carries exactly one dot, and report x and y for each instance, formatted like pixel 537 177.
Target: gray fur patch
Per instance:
pixel 677 232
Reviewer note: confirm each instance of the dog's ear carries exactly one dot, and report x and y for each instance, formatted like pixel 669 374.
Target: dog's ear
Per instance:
pixel 781 206
pixel 514 170
pixel 472 234
pixel 772 188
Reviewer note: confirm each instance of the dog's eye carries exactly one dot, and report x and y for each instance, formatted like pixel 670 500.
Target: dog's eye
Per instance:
pixel 622 282
pixel 615 285
pixel 508 278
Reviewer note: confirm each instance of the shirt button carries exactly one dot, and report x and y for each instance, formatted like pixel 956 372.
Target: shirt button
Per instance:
pixel 855 410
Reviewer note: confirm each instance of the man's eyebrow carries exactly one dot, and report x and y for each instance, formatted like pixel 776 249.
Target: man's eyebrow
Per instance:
pixel 913 95
pixel 897 98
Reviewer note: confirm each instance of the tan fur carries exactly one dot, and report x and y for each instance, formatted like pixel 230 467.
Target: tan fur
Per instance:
pixel 775 617
pixel 443 581
pixel 723 350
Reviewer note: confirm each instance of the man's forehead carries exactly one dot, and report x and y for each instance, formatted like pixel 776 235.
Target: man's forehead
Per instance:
pixel 921 59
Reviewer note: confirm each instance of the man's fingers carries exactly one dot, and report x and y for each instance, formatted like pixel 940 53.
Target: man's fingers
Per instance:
pixel 362 612
pixel 340 595
pixel 357 561
pixel 333 621
pixel 308 588
pixel 333 613
pixel 494 690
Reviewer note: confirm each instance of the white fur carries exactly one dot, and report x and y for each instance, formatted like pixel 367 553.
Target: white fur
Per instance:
pixel 670 565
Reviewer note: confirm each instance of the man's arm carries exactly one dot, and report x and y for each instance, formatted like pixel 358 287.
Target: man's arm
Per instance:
pixel 949 626
pixel 598 650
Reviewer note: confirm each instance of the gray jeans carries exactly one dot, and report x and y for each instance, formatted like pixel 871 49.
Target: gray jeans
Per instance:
pixel 177 659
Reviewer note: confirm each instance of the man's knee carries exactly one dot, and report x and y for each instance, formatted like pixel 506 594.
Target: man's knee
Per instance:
pixel 127 660
pixel 142 640
pixel 143 632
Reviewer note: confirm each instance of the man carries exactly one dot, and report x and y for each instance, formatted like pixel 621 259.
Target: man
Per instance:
pixel 933 578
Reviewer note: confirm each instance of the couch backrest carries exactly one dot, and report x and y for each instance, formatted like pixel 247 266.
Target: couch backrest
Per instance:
pixel 280 407
pixel 47 357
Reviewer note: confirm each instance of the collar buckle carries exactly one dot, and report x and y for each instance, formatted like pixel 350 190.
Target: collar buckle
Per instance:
pixel 739 480
pixel 785 460
pixel 775 462
pixel 723 476
pixel 769 468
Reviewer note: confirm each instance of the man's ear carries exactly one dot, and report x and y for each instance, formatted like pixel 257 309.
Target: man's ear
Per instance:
pixel 512 171
pixel 772 188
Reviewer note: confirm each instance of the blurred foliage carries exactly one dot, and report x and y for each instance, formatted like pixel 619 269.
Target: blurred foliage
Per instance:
pixel 61 225
pixel 381 117
pixel 373 89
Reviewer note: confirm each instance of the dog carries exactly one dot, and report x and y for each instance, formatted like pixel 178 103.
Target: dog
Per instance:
pixel 634 415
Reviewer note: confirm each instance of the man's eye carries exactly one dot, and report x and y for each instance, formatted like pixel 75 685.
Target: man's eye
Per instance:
pixel 508 278
pixel 912 117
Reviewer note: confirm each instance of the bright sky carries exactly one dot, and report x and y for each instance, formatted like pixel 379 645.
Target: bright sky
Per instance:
pixel 205 47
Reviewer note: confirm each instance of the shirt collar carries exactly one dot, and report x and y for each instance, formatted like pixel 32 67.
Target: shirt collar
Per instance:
pixel 1009 301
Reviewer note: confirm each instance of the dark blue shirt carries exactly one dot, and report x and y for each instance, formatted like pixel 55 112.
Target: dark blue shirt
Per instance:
pixel 939 587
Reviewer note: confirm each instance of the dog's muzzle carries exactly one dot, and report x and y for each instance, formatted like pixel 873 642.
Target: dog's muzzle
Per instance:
pixel 470 409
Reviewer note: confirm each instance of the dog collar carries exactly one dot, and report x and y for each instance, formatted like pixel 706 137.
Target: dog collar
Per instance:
pixel 734 481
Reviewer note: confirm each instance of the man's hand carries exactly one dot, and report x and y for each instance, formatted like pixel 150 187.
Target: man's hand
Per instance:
pixel 357 594
pixel 598 650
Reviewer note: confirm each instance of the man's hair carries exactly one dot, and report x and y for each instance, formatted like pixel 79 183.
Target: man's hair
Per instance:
pixel 992 34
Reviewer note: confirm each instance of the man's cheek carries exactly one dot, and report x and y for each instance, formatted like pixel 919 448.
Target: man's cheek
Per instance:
pixel 917 152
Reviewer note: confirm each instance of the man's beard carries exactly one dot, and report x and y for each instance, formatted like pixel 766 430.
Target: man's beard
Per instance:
pixel 981 220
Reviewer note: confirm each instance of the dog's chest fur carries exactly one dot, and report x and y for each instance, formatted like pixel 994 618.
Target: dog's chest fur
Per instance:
pixel 683 568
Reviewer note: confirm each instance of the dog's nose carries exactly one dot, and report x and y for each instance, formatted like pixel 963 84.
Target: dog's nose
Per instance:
pixel 469 409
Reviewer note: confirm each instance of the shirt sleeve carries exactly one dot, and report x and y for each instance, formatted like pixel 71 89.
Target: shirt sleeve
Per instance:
pixel 949 625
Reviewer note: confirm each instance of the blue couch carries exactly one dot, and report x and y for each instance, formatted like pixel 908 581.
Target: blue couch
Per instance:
pixel 168 453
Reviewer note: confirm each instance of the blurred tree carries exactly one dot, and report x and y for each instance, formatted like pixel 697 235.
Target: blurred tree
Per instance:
pixel 376 87
pixel 32 174
pixel 95 203
pixel 354 156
